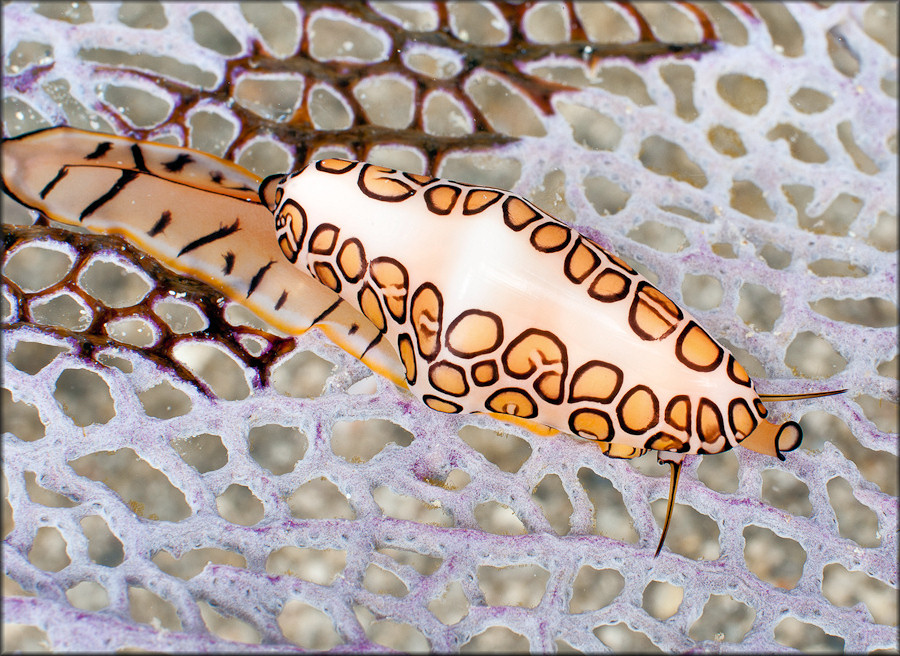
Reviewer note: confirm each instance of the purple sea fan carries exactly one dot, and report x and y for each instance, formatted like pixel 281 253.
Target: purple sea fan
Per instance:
pixel 181 477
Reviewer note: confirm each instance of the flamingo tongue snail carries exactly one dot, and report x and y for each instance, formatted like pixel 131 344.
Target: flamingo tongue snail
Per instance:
pixel 470 297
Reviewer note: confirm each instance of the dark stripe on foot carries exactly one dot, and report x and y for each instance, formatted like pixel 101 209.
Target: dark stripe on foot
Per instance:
pixel 162 223
pixel 124 179
pixel 221 233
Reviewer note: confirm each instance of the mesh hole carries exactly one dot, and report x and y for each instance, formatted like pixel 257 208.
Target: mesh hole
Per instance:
pixel 749 199
pixel 43 496
pixel 619 637
pixel 547 23
pixel 27 53
pixel 661 599
pixel 139 107
pixel 149 608
pixel 163 401
pixel 387 100
pixel 723 619
pixel 550 196
pixel 719 472
pixel 422 563
pixel 277 25
pixel 445 116
pixel 48 550
pixel 360 441
pixel 759 308
pixel 181 316
pixel 774 559
pixel 415 18
pixel 402 506
pixel 227 627
pixel 451 606
pixel 498 518
pixel 401 158
pixel 61 309
pixel 667 158
pixel 793 633
pixel 328 110
pixel 134 331
pixel 680 79
pixel 212 131
pixel 391 634
pixel 518 585
pixel 624 82
pixel 116 284
pixel 479 24
pixel 862 161
pixel 844 59
pixel 746 94
pixel 590 128
pixel 610 516
pixel 595 588
pixel 21 419
pixel 104 548
pixel 726 141
pixel 783 490
pixel 300 374
pixel 273 97
pixel 669 23
pixel 801 144
pixel 26 637
pixel 143 15
pixel 210 33
pixel 146 490
pixel 35 268
pixel 811 356
pixel 70 12
pixel 504 106
pixel 481 170
pixel 691 534
pixel 88 595
pixel 195 561
pixel 264 157
pixel 882 413
pixel 855 521
pixel 606 196
pixel 84 396
pixel 277 448
pixel 215 366
pixel 334 37
pixel 496 639
pixel 380 581
pixel 874 312
pixel 604 23
pixel 836 219
pixel 237 504
pixel 784 30
pixel 828 267
pixel 775 257
pixel 554 502
pixel 506 451
pixel 663 238
pixel 845 588
pixel 204 452
pixel 320 566
pixel 320 499
pixel 702 292
pixel 307 626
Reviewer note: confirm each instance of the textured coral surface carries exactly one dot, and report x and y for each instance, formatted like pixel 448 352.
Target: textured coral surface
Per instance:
pixel 178 476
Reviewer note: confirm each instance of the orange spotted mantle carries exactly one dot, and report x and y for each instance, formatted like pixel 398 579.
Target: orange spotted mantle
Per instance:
pixel 495 306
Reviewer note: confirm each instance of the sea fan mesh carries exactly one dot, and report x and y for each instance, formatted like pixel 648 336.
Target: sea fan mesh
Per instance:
pixel 180 477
